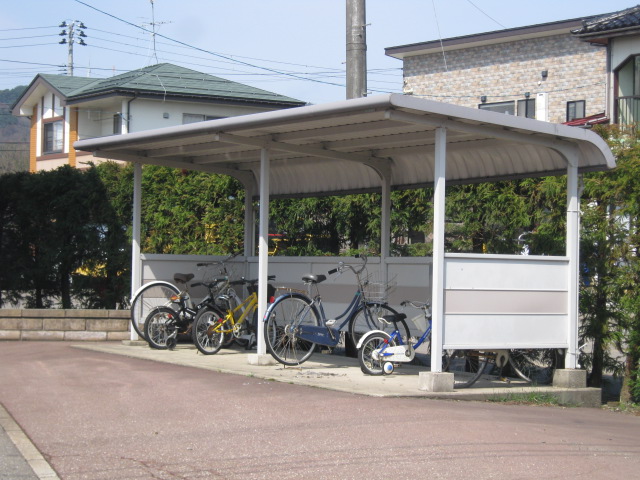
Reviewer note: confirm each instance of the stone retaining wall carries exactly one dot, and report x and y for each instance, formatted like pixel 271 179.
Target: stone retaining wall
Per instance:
pixel 73 325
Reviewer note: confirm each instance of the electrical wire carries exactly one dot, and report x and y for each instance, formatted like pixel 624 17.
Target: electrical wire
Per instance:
pixel 486 14
pixel 240 62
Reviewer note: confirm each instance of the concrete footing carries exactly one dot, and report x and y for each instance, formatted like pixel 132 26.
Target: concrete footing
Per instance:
pixel 435 381
pixel 570 378
pixel 260 359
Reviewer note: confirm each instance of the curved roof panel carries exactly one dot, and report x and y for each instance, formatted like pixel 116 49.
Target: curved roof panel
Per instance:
pixel 345 146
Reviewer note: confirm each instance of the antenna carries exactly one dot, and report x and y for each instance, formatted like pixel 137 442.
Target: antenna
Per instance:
pixel 153 28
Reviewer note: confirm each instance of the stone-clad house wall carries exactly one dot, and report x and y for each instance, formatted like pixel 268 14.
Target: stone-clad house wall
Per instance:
pixel 505 71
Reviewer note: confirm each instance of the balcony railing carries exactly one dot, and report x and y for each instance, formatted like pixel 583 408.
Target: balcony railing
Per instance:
pixel 628 110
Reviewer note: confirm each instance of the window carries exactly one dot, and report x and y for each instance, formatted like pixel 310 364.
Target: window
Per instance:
pixel 575 109
pixel 53 138
pixel 500 107
pixel 527 108
pixel 196 117
pixel 117 124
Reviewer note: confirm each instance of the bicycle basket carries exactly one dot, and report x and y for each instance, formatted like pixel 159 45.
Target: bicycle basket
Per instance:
pixel 375 290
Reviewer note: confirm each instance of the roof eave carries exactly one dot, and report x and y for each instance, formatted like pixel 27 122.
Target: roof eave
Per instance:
pixel 130 93
pixel 39 80
pixel 487 38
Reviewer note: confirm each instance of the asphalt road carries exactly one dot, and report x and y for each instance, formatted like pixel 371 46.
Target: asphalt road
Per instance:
pixel 101 417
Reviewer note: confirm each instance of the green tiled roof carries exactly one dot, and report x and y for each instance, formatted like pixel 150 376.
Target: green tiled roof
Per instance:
pixel 166 80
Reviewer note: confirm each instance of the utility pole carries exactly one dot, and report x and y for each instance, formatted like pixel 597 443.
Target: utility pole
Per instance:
pixel 71 39
pixel 356 49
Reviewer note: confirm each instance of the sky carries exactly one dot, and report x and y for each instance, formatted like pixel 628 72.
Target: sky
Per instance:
pixel 292 47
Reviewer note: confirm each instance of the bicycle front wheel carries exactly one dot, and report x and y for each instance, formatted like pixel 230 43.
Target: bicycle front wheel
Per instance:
pixel 150 297
pixel 160 326
pixel 282 324
pixel 467 366
pixel 208 331
pixel 367 318
pixel 535 365
pixel 369 354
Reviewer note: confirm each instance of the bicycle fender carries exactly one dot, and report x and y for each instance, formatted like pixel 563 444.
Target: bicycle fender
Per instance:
pixel 285 295
pixel 155 282
pixel 368 334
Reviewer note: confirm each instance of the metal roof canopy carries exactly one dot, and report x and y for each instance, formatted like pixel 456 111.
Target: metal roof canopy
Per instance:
pixel 337 148
pixel 374 143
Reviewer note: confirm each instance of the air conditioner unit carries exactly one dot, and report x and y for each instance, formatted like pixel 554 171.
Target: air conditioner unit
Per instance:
pixel 542 106
pixel 95 115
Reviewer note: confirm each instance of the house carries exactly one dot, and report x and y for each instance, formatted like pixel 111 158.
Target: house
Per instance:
pixel 64 108
pixel 578 71
pixel 619 32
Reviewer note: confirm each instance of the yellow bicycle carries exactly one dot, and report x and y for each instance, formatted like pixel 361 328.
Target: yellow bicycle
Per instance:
pixel 213 328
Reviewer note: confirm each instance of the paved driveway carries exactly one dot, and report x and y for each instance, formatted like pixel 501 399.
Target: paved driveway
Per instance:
pixel 100 416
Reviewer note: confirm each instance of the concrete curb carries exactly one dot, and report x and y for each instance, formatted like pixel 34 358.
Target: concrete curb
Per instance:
pixel 34 459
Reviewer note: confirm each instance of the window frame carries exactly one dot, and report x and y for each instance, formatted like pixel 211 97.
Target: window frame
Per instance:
pixel 486 106
pixel 574 103
pixel 528 112
pixel 51 123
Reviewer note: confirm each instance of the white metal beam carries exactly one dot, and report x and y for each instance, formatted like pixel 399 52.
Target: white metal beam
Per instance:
pixel 437 292
pixel 378 164
pixel 573 252
pixel 136 264
pixel 263 247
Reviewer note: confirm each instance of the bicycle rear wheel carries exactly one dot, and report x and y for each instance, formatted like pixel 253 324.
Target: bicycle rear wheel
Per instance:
pixel 282 323
pixel 160 326
pixel 467 366
pixel 150 297
pixel 367 318
pixel 371 363
pixel 208 331
pixel 535 365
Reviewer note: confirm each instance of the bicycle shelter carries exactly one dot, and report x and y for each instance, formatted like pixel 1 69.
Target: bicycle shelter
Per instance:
pixel 392 142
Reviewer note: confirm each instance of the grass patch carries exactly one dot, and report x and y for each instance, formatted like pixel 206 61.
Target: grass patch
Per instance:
pixel 630 408
pixel 529 398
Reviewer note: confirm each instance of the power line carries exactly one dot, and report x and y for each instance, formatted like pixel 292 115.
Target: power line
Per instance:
pixel 25 28
pixel 298 77
pixel 485 14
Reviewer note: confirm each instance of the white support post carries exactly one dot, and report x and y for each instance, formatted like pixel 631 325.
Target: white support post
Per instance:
pixel 385 226
pixel 263 248
pixel 573 252
pixel 249 221
pixel 136 264
pixel 437 307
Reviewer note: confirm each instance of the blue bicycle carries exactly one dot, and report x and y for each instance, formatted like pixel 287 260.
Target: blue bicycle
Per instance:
pixel 296 322
pixel 379 351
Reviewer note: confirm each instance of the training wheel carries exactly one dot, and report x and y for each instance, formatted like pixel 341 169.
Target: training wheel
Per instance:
pixel 387 368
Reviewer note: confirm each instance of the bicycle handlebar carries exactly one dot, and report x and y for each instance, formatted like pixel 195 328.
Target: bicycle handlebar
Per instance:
pixel 244 281
pixel 356 271
pixel 218 262
pixel 414 304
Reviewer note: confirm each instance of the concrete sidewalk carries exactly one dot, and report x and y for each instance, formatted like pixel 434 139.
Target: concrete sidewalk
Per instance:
pixel 19 458
pixel 340 373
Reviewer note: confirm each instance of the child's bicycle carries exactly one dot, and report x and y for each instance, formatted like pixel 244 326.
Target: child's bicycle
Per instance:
pixel 380 351
pixel 164 323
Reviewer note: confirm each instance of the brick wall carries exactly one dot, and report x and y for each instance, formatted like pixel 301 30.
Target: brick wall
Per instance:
pixel 72 325
pixel 503 72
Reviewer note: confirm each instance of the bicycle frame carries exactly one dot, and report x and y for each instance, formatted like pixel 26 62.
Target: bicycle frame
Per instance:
pixel 247 307
pixel 400 352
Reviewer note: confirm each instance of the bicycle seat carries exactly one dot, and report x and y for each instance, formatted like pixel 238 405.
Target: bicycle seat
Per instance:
pixel 394 318
pixel 182 277
pixel 310 278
